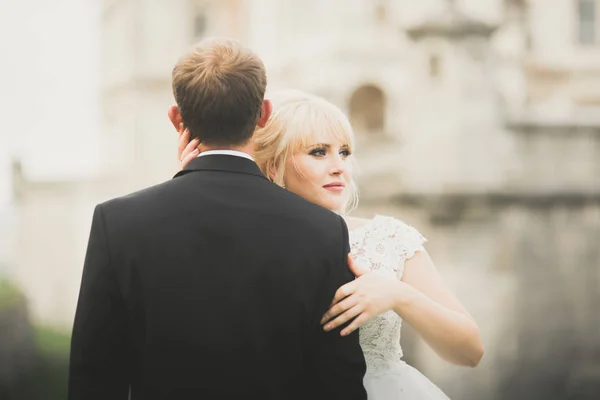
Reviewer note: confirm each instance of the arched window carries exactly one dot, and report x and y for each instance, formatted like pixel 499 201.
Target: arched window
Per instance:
pixel 199 13
pixel 587 22
pixel 381 12
pixel 199 25
pixel 435 66
pixel 367 110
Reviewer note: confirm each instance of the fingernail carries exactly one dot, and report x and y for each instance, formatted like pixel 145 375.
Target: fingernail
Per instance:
pixel 327 327
pixel 344 333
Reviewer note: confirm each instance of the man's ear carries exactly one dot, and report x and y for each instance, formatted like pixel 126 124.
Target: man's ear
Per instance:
pixel 175 116
pixel 265 113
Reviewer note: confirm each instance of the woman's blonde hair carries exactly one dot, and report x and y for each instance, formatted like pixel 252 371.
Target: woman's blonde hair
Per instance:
pixel 299 120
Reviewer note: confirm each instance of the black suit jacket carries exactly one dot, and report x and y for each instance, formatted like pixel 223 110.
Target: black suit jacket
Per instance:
pixel 211 286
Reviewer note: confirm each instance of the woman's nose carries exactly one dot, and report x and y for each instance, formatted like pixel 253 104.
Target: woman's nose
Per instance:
pixel 337 166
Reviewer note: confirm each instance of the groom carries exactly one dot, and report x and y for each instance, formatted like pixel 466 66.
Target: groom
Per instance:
pixel 212 285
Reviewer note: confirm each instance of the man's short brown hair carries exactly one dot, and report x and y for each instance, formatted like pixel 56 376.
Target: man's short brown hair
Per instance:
pixel 220 87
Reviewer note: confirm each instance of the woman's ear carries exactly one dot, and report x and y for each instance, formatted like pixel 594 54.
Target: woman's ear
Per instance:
pixel 272 171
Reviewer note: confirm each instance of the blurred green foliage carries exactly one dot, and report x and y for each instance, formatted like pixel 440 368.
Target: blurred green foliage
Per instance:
pixel 44 376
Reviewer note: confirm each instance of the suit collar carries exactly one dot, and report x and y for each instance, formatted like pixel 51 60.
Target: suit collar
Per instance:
pixel 221 162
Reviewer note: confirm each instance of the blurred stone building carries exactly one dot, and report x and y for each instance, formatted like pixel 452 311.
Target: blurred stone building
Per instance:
pixel 478 122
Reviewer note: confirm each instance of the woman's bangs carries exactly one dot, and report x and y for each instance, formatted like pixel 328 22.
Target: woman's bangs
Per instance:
pixel 309 126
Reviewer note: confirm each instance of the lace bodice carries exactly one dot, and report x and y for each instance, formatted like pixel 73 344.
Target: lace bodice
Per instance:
pixel 383 245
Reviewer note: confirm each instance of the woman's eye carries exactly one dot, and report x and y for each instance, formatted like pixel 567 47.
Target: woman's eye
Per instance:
pixel 345 153
pixel 318 152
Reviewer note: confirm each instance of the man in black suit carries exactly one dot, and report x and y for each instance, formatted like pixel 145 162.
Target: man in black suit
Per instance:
pixel 212 285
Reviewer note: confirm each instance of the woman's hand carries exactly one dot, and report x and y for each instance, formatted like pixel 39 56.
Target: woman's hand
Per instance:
pixel 369 295
pixel 186 151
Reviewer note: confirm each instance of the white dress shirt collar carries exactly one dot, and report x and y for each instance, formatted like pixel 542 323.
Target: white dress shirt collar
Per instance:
pixel 226 153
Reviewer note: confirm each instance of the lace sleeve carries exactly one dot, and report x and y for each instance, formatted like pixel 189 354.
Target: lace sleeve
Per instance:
pixel 384 244
pixel 407 242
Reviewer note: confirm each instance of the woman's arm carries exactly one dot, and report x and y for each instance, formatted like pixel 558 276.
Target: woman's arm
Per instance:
pixel 427 303
pixel 421 298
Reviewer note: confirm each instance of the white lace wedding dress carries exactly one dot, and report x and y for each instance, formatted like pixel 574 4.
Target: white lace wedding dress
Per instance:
pixel 383 244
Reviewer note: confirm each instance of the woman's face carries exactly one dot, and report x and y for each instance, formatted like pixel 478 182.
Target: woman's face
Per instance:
pixel 320 173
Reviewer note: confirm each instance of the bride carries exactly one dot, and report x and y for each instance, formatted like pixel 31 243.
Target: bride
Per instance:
pixel 306 147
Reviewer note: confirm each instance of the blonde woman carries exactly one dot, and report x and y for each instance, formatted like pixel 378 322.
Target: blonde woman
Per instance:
pixel 306 147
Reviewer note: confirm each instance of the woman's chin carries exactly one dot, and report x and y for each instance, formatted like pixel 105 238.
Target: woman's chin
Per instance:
pixel 334 206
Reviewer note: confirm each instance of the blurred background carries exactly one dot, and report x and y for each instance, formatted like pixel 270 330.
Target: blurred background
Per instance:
pixel 478 122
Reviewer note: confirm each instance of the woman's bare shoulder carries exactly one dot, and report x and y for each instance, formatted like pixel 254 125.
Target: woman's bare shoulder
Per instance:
pixel 356 222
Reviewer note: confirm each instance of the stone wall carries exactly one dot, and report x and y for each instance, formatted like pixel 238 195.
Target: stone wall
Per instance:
pixel 525 262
